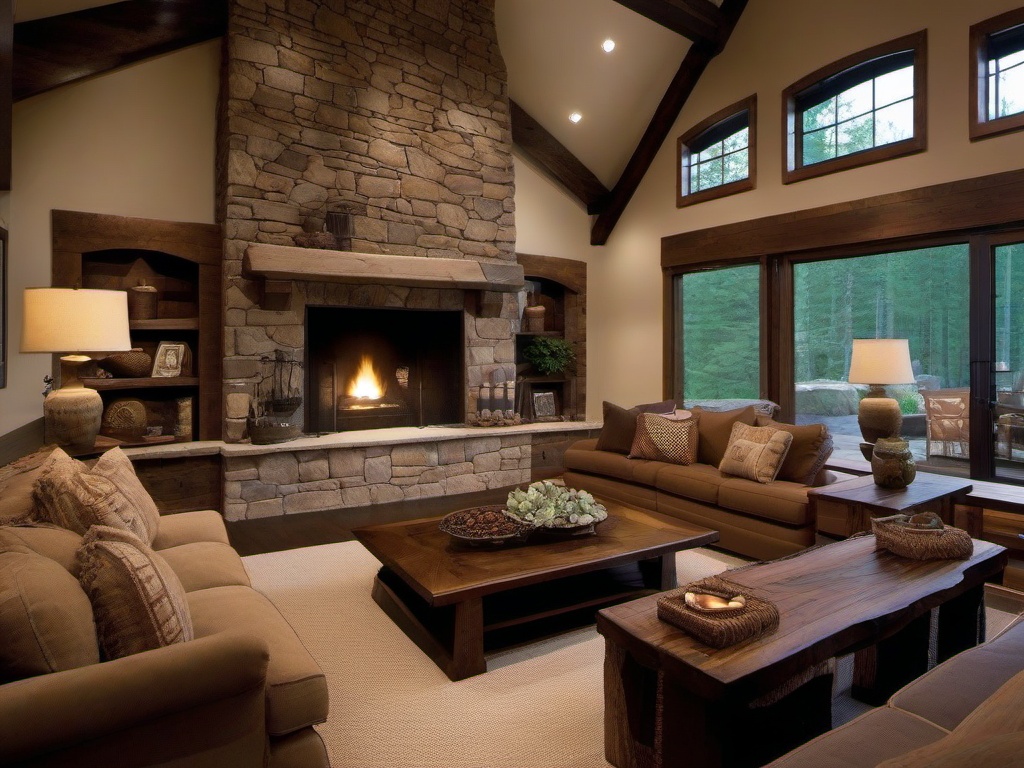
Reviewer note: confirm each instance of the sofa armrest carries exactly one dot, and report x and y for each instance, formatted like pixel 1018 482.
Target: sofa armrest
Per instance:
pixel 97 711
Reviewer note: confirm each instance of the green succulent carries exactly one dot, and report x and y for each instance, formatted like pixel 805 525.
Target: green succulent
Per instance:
pixel 546 505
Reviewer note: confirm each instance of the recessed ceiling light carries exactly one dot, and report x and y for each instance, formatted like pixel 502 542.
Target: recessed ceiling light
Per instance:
pixel 575 117
pixel 608 45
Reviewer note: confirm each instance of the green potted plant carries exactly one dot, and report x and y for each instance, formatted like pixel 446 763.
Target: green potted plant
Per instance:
pixel 550 355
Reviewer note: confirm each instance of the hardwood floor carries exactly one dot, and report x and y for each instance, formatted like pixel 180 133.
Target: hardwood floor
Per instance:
pixel 273 534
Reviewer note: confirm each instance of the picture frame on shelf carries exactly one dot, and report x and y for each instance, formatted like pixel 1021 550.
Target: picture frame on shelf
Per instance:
pixel 169 359
pixel 545 406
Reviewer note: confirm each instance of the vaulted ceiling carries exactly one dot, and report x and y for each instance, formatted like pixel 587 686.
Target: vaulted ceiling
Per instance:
pixel 628 98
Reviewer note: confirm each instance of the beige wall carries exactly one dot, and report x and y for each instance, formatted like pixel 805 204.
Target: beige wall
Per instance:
pixel 775 43
pixel 136 142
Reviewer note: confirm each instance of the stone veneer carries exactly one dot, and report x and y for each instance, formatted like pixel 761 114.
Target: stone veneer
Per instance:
pixel 314 474
pixel 394 111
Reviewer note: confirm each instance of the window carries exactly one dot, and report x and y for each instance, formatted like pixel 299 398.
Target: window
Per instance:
pixel 997 84
pixel 863 109
pixel 720 335
pixel 716 156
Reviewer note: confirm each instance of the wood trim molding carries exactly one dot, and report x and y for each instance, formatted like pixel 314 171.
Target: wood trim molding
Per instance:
pixel 749 105
pixel 22 441
pixel 980 126
pixel 986 201
pixel 793 171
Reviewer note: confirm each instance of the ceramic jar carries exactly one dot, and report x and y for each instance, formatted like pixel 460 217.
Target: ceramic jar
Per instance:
pixel 892 463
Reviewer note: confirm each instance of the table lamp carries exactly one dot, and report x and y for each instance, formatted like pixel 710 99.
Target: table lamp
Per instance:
pixel 76 321
pixel 877 362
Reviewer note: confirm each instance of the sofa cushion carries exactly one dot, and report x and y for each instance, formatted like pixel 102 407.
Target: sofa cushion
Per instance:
pixel 863 742
pixel 205 564
pixel 812 445
pixel 584 456
pixel 781 500
pixel 45 618
pixel 75 497
pixel 16 482
pixel 665 438
pixel 619 425
pixel 755 453
pixel 190 527
pixel 118 468
pixel 45 539
pixel 699 482
pixel 138 601
pixel 1000 713
pixel 296 687
pixel 975 675
pixel 715 429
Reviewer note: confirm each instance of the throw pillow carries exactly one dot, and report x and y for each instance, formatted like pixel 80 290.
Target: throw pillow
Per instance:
pixel 70 495
pixel 812 445
pixel 619 426
pixel 45 618
pixel 715 429
pixel 16 482
pixel 755 453
pixel 665 438
pixel 138 601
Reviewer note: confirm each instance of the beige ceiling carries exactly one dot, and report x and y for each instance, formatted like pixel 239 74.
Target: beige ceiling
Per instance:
pixel 552 49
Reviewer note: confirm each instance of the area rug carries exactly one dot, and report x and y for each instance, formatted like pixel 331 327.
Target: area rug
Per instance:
pixel 539 705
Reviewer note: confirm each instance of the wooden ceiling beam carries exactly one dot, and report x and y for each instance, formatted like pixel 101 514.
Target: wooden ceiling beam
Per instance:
pixel 58 50
pixel 544 149
pixel 696 20
pixel 679 90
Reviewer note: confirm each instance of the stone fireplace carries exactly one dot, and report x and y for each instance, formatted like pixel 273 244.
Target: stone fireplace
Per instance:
pixel 395 116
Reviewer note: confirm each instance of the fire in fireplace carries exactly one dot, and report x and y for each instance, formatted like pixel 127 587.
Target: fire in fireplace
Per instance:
pixel 375 368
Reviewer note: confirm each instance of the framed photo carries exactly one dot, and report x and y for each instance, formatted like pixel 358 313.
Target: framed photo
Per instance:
pixel 169 358
pixel 544 406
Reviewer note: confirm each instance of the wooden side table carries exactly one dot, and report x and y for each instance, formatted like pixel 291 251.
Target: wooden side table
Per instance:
pixel 845 508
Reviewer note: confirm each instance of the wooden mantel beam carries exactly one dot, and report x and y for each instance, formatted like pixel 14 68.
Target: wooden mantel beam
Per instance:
pixel 551 155
pixel 696 20
pixel 679 90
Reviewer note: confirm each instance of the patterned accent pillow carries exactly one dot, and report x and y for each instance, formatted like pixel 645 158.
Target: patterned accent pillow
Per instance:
pixel 811 448
pixel 137 600
pixel 663 438
pixel 755 453
pixel 75 497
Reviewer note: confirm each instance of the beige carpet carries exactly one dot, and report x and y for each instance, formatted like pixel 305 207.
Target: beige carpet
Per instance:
pixel 538 706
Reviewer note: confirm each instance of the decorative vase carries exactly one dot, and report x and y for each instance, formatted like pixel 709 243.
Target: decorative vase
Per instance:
pixel 142 301
pixel 892 463
pixel 533 318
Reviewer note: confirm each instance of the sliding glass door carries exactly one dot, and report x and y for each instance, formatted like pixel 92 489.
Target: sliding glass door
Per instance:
pixel 1007 372
pixel 718 352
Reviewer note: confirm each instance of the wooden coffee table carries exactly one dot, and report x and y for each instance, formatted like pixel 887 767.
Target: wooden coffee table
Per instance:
pixel 454 600
pixel 833 600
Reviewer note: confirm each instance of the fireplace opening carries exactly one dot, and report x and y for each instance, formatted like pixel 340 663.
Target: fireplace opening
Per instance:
pixel 376 368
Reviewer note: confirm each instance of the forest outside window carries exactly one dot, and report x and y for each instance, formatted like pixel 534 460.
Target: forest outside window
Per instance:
pixel 863 109
pixel 716 156
pixel 997 84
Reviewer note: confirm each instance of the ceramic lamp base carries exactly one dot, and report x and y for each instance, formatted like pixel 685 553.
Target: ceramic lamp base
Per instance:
pixel 71 416
pixel 879 417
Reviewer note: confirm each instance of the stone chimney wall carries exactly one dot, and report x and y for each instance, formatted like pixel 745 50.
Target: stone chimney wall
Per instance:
pixel 392 111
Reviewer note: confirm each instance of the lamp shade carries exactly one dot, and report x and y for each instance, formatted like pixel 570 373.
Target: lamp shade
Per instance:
pixel 881 361
pixel 65 320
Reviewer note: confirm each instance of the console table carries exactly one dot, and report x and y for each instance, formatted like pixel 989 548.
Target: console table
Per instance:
pixel 672 701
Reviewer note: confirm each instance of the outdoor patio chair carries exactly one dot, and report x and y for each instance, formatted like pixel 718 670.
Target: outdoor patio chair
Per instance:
pixel 947 413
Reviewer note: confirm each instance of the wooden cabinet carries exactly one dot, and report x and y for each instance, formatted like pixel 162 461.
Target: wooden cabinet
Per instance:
pixel 183 261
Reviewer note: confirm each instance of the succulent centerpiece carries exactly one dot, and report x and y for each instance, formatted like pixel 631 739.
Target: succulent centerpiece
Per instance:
pixel 548 506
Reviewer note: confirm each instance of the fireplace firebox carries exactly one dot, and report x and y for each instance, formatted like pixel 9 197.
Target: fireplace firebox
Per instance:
pixel 375 368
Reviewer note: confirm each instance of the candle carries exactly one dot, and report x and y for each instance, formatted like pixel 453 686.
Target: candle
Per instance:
pixel 483 400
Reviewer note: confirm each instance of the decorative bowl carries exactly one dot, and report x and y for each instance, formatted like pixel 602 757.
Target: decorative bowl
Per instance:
pixel 705 602
pixel 484 526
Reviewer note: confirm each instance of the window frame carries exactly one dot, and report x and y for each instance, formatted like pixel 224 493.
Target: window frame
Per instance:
pixel 748 105
pixel 794 170
pixel 981 127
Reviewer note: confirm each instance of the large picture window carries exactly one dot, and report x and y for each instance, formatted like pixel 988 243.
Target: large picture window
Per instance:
pixel 997 84
pixel 716 157
pixel 863 109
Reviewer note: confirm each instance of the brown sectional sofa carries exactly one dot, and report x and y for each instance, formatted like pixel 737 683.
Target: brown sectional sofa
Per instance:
pixel 759 520
pixel 964 712
pixel 243 692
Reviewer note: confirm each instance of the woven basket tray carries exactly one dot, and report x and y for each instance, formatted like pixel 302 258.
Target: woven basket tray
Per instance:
pixel 946 543
pixel 719 630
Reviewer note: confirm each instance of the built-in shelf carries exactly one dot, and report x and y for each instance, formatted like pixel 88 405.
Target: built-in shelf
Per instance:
pixel 166 324
pixel 141 383
pixel 542 379
pixel 540 333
